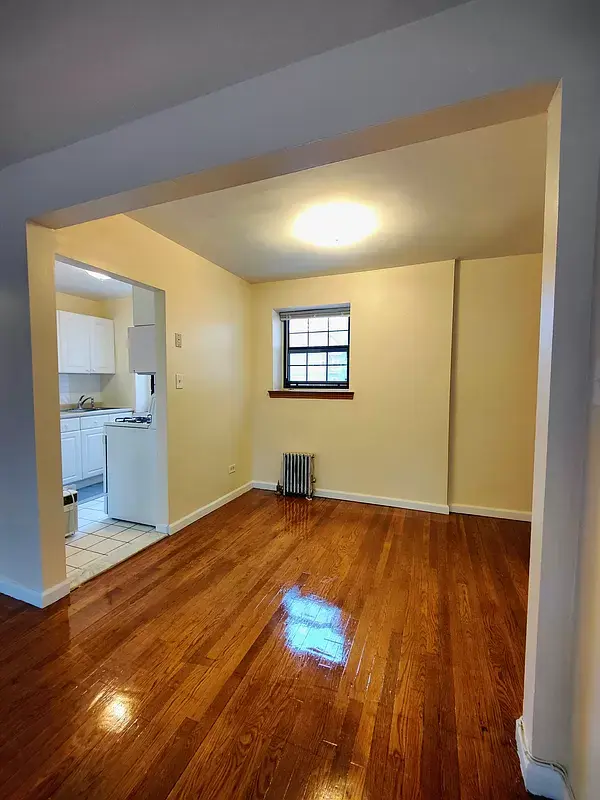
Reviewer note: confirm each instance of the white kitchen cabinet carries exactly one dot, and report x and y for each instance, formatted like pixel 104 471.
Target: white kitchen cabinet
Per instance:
pixel 141 341
pixel 73 342
pixel 86 344
pixel 71 456
pixel 92 452
pixel 102 346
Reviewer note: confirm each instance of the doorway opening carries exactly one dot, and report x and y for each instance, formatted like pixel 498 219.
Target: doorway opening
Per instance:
pixel 110 334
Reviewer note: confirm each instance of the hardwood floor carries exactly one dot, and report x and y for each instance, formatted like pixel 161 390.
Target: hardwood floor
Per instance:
pixel 278 648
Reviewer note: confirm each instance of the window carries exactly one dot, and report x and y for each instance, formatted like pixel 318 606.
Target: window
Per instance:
pixel 316 348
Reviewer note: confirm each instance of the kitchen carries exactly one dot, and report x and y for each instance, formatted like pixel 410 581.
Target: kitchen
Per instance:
pixel 107 371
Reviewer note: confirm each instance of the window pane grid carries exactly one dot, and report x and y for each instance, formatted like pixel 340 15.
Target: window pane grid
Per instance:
pixel 317 351
pixel 318 367
pixel 338 323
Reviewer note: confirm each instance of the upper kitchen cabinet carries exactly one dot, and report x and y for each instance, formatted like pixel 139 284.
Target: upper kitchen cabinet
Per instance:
pixel 73 342
pixel 141 342
pixel 102 345
pixel 85 344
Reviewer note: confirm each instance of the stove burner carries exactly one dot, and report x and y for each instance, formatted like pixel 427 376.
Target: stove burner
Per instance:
pixel 141 420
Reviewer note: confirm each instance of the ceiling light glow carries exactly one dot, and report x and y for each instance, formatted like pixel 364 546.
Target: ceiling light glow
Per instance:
pixel 335 224
pixel 98 275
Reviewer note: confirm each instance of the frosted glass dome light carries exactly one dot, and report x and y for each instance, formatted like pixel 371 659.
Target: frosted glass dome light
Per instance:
pixel 335 224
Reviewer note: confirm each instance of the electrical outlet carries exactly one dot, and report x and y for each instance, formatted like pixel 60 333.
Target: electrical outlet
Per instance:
pixel 178 380
pixel 178 340
pixel 231 469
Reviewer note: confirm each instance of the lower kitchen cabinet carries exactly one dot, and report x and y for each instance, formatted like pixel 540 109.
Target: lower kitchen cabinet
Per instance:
pixel 71 456
pixel 92 452
pixel 82 442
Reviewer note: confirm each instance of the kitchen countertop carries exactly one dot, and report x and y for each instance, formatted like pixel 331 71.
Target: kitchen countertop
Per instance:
pixel 75 412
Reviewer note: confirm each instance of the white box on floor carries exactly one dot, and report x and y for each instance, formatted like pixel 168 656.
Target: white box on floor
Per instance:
pixel 70 509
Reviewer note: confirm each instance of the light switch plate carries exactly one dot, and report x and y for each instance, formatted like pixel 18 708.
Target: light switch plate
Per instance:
pixel 178 380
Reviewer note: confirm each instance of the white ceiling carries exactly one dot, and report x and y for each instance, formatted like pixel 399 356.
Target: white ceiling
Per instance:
pixel 478 194
pixel 72 68
pixel 74 280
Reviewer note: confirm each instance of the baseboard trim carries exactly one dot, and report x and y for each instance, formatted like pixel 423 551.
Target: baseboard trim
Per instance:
pixel 352 497
pixel 33 597
pixel 499 513
pixel 541 778
pixel 179 524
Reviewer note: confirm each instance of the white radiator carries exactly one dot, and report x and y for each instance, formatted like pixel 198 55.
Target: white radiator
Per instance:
pixel 297 474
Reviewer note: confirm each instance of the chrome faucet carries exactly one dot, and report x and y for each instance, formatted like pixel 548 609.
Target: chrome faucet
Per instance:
pixel 83 400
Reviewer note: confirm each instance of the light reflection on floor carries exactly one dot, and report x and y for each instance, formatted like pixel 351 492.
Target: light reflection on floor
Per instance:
pixel 314 626
pixel 115 710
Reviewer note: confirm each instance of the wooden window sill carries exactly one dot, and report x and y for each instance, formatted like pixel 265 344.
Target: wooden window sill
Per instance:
pixel 313 394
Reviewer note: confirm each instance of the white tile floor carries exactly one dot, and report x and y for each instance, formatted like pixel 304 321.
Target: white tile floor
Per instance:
pixel 101 542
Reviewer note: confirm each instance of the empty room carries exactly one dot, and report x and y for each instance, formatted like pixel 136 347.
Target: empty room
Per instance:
pixel 314 515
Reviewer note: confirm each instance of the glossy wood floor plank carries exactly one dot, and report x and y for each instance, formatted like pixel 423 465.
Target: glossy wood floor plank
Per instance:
pixel 277 649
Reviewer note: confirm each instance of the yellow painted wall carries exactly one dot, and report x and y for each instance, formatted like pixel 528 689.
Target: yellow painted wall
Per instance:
pixel 495 382
pixel 208 421
pixel 119 389
pixel 392 439
pixel 44 361
pixel 81 305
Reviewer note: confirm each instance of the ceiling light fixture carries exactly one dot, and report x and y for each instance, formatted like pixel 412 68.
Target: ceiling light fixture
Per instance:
pixel 335 224
pixel 98 275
